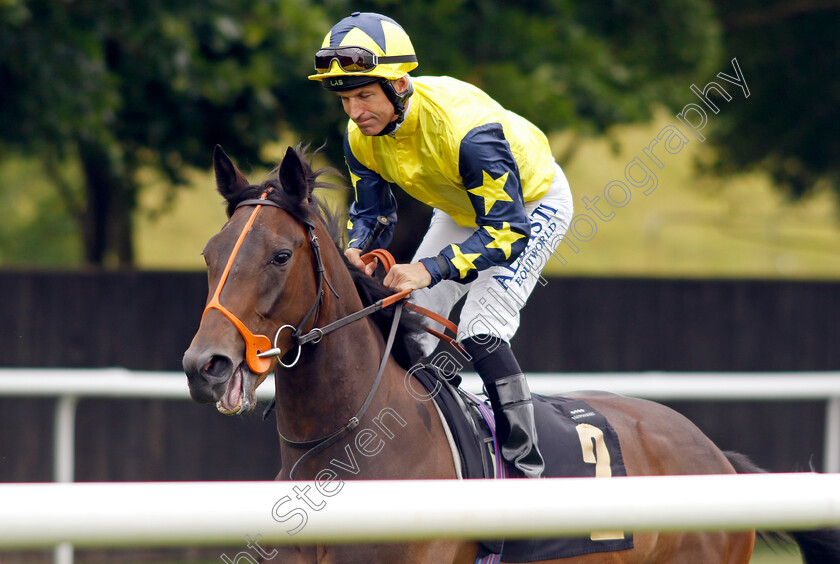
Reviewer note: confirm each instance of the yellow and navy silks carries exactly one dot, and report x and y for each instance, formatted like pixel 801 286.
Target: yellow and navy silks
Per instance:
pixel 461 152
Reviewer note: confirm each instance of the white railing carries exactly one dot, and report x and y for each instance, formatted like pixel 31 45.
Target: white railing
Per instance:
pixel 69 385
pixel 225 513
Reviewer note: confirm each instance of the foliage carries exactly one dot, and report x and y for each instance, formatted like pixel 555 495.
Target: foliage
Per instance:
pixel 36 229
pixel 790 55
pixel 563 63
pixel 118 85
pixel 101 90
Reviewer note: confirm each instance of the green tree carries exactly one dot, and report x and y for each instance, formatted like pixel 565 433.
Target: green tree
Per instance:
pixel 563 64
pixel 790 56
pixel 116 85
pixel 566 65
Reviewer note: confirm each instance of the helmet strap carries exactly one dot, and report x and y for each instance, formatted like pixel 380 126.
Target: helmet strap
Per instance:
pixel 399 102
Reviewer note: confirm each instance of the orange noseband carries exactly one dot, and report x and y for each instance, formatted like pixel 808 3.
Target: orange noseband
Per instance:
pixel 254 344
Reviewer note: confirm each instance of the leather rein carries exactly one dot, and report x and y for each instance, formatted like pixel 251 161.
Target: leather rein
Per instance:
pixel 260 349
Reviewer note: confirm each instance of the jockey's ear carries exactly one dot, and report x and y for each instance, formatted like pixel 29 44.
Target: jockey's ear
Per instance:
pixel 229 181
pixel 292 175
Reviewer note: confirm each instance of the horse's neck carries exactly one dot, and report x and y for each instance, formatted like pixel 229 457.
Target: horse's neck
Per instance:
pixel 397 436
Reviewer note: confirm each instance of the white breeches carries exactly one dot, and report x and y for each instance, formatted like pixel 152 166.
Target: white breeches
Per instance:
pixel 494 298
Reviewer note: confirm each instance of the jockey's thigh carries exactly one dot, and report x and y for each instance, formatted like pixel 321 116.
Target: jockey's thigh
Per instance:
pixel 495 297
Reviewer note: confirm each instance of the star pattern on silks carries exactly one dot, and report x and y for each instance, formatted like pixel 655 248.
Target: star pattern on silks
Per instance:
pixel 350 228
pixel 503 239
pixel 492 190
pixel 463 261
pixel 354 178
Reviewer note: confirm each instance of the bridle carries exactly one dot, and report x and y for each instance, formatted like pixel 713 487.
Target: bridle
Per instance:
pixel 259 349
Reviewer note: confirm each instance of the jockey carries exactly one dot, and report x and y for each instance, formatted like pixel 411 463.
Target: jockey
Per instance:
pixel 501 203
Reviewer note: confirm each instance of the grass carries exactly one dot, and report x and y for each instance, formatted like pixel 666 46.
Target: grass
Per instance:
pixel 765 555
pixel 689 225
pixel 174 240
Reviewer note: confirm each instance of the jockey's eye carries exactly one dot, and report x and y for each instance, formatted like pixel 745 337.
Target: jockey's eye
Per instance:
pixel 282 257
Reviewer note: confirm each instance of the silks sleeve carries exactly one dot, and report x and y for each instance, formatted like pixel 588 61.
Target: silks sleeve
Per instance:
pixel 373 197
pixel 491 178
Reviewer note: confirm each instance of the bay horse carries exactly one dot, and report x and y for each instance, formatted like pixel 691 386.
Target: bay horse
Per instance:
pixel 270 276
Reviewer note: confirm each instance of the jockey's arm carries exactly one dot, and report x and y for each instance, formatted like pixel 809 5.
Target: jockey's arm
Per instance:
pixel 490 175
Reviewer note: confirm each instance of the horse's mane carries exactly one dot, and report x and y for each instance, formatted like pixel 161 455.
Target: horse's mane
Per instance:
pixel 406 349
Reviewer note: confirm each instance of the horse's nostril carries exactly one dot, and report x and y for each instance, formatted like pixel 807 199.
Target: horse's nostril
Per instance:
pixel 217 368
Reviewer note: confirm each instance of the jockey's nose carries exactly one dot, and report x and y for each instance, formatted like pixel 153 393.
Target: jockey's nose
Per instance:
pixel 355 108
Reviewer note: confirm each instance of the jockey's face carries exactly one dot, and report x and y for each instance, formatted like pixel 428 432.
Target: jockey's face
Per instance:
pixel 369 107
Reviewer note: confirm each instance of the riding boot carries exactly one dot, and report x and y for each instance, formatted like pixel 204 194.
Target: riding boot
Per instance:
pixel 510 399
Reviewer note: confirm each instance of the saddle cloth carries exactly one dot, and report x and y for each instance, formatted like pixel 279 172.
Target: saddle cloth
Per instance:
pixel 575 441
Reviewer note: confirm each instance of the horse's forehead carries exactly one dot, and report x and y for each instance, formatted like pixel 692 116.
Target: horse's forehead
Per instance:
pixel 278 223
pixel 270 223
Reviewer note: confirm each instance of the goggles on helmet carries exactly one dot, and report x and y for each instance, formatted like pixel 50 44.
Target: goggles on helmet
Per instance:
pixel 355 59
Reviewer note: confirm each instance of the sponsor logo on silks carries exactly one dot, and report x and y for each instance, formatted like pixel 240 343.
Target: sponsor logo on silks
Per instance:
pixel 542 227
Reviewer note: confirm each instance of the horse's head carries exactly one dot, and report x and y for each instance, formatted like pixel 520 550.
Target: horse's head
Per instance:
pixel 260 283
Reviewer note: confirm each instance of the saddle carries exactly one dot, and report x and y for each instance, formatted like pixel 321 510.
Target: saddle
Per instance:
pixel 582 444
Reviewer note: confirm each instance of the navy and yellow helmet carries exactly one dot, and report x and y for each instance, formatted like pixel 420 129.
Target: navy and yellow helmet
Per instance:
pixel 362 49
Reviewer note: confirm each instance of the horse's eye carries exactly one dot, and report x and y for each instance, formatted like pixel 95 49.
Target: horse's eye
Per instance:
pixel 281 258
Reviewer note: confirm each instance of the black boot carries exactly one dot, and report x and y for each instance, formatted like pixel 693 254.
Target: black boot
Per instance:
pixel 510 399
pixel 515 429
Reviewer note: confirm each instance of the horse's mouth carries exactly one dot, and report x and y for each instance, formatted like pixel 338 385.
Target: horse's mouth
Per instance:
pixel 239 397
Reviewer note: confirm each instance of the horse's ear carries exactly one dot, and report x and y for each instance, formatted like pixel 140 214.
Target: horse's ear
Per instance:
pixel 293 176
pixel 229 180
